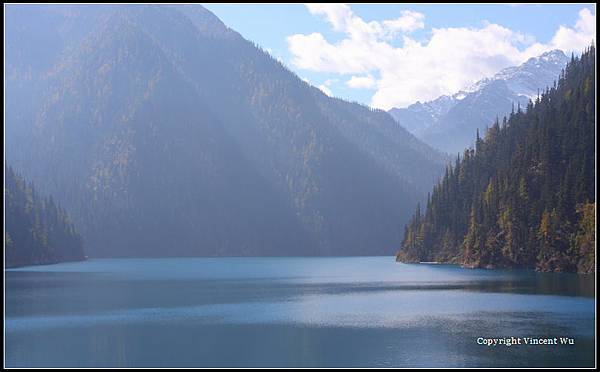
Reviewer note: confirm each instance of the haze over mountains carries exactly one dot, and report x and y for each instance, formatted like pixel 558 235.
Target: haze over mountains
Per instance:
pixel 163 133
pixel 37 231
pixel 460 115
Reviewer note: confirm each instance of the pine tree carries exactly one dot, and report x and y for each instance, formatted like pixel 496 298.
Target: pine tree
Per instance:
pixel 37 230
pixel 523 196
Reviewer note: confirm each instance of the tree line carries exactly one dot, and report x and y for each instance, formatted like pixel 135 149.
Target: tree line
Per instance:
pixel 37 230
pixel 524 196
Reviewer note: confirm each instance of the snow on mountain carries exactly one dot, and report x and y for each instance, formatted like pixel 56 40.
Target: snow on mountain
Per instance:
pixel 458 116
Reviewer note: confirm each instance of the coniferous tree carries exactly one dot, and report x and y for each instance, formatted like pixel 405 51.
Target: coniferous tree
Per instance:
pixel 37 231
pixel 524 195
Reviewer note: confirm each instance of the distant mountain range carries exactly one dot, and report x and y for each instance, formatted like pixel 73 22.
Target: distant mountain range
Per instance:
pixel 165 133
pixel 449 123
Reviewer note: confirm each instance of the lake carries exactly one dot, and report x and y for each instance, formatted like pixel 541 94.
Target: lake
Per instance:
pixel 292 312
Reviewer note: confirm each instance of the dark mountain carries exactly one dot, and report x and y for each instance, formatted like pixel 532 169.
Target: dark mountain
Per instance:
pixel 164 132
pixel 37 230
pixel 525 195
pixel 459 116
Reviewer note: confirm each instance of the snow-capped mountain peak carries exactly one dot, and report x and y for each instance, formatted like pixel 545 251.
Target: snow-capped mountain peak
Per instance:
pixel 456 116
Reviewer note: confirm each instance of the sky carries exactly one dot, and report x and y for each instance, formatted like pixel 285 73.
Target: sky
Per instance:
pixel 393 55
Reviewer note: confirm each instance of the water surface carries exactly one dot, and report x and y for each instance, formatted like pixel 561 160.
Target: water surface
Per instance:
pixel 291 312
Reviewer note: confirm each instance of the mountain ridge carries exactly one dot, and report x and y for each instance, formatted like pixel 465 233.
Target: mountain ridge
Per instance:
pixel 477 106
pixel 524 195
pixel 193 141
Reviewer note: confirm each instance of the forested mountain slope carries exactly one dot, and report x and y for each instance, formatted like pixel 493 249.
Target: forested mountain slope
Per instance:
pixel 165 133
pixel 37 230
pixel 525 195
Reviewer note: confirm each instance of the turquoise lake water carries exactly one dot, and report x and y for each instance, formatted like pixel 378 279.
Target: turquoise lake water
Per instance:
pixel 292 312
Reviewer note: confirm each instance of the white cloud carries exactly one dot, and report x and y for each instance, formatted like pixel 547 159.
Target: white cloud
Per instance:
pixel 361 82
pixel 337 14
pixel 451 59
pixel 326 86
pixel 409 22
pixel 342 19
pixel 578 38
pixel 325 89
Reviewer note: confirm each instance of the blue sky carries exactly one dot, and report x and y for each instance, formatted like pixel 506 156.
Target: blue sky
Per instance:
pixel 335 43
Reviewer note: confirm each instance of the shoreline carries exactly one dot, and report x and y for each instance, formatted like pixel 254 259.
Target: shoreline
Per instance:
pixel 19 266
pixel 492 267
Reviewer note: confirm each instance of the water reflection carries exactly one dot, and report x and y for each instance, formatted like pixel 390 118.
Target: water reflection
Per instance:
pixel 290 312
